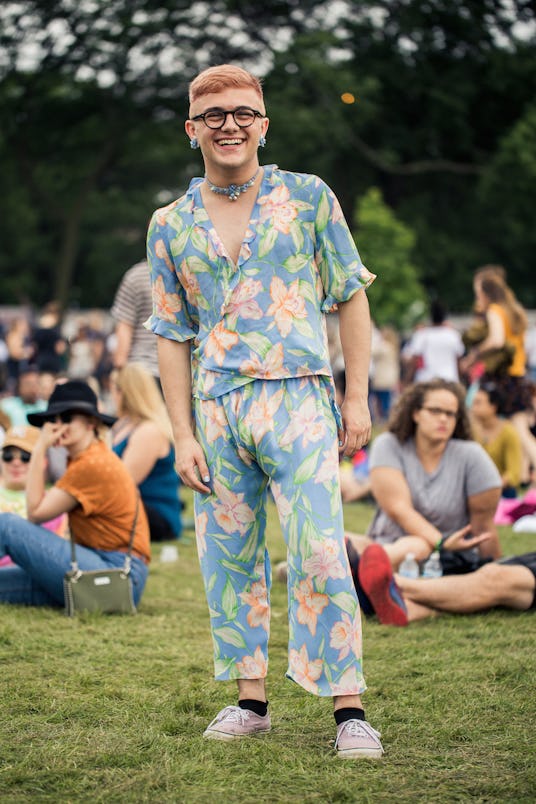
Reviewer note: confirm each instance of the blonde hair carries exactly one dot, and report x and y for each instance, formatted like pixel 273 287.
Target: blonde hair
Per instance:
pixel 224 76
pixel 493 285
pixel 140 397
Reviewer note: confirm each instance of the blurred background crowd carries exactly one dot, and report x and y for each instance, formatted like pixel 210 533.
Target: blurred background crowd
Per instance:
pixel 490 351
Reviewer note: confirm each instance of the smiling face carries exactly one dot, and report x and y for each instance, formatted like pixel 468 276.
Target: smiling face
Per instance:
pixel 230 152
pixel 436 419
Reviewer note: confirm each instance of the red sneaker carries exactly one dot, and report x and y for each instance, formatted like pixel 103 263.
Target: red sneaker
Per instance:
pixel 376 578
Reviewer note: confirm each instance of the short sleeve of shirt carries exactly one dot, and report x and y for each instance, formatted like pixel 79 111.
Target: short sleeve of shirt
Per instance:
pixel 125 305
pixel 83 484
pixel 480 471
pixel 339 264
pixel 414 346
pixel 385 451
pixel 170 317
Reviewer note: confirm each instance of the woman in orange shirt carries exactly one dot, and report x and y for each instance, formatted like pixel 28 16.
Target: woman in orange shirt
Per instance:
pixel 97 493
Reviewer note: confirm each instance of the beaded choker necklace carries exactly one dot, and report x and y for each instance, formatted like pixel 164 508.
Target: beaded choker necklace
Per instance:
pixel 233 190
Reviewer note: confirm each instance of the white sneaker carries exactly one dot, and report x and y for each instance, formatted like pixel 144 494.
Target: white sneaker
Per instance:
pixel 357 738
pixel 233 722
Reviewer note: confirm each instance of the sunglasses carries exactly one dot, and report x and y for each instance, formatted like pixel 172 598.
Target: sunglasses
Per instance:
pixel 9 455
pixel 65 418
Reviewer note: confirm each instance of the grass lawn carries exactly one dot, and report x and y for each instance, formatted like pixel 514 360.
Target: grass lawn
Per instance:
pixel 112 709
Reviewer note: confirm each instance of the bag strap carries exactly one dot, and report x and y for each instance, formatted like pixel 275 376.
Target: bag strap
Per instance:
pixel 128 560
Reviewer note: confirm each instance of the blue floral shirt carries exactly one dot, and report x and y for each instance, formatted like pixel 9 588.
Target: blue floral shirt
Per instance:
pixel 262 318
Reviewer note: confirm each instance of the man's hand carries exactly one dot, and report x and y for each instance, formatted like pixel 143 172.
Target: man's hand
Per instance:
pixel 191 465
pixel 357 426
pixel 459 540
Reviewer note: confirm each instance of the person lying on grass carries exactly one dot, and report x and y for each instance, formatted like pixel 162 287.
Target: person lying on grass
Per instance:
pixel 509 583
pixel 395 600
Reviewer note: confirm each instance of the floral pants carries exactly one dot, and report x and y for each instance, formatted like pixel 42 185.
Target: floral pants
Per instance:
pixel 278 436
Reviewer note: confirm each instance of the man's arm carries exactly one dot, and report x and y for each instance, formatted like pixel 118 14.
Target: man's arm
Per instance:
pixel 176 379
pixel 123 334
pixel 354 328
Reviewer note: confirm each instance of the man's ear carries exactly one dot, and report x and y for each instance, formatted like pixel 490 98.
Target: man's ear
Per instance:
pixel 189 127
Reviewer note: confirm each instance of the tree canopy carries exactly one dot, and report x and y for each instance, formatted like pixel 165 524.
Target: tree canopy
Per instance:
pixel 430 102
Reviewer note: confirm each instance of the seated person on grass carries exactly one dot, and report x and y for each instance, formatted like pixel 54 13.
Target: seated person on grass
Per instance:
pixel 15 457
pixel 96 492
pixel 432 481
pixel 509 583
pixel 498 436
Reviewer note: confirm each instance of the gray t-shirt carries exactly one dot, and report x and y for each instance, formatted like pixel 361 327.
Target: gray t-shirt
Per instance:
pixel 441 496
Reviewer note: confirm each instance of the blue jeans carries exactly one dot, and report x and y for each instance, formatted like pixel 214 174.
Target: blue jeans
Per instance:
pixel 43 558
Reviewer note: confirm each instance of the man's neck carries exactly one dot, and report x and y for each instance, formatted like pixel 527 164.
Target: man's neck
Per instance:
pixel 223 177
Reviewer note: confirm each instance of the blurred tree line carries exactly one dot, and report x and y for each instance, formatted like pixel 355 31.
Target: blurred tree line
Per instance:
pixel 421 115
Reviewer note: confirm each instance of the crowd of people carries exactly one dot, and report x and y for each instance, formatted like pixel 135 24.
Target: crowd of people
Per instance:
pixel 475 386
pixel 87 447
pixel 251 413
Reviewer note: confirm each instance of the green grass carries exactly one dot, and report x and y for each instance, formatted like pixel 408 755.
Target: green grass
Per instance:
pixel 112 709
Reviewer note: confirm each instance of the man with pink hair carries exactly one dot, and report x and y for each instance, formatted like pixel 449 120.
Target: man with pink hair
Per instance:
pixel 244 267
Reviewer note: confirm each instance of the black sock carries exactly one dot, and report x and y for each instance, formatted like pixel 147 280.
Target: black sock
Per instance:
pixel 259 707
pixel 348 713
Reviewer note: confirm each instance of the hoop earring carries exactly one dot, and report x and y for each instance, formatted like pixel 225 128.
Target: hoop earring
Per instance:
pixel 262 141
pixel 194 143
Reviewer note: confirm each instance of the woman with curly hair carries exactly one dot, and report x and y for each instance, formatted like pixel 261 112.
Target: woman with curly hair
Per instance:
pixel 435 487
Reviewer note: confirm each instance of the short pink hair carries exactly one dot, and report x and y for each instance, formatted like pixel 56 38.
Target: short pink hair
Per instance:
pixel 224 76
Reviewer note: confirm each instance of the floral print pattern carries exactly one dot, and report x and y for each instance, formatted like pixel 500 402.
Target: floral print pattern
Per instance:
pixel 263 317
pixel 245 436
pixel 265 417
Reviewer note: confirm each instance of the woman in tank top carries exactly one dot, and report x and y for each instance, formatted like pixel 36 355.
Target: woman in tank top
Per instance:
pixel 143 440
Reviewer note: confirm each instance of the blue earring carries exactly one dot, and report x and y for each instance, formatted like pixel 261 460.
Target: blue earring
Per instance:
pixel 193 143
pixel 262 141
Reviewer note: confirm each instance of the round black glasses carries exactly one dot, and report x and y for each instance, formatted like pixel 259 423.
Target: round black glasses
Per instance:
pixel 215 118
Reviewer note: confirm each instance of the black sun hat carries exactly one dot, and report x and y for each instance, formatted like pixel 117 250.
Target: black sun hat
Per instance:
pixel 74 396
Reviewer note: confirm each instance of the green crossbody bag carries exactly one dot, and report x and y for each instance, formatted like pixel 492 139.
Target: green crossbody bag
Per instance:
pixel 108 591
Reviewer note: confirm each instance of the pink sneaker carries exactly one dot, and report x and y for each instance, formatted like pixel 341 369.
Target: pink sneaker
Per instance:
pixel 357 738
pixel 234 722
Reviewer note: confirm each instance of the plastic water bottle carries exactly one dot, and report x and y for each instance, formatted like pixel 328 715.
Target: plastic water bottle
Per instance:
pixel 432 567
pixel 169 554
pixel 409 567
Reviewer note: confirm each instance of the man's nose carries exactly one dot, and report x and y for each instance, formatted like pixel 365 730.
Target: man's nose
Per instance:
pixel 232 123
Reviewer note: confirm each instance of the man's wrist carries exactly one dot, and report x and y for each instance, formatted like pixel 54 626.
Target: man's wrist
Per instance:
pixel 182 432
pixel 355 396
